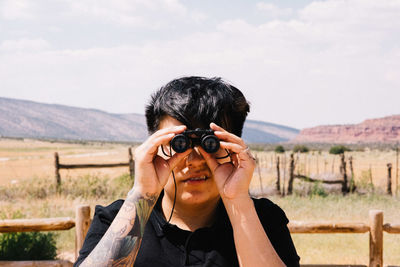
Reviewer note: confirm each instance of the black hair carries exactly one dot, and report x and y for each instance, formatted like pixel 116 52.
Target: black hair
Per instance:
pixel 198 101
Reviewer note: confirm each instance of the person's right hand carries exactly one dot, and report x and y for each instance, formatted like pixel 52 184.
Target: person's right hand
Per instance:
pixel 152 171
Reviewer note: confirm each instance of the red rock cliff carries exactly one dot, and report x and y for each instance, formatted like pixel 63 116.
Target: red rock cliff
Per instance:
pixel 383 130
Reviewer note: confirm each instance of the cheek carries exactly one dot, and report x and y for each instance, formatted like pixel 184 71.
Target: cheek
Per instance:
pixel 169 187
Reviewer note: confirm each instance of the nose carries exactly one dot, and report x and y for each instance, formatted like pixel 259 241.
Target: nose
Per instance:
pixel 195 158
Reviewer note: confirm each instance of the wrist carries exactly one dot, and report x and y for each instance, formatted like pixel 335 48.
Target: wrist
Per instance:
pixel 240 210
pixel 138 192
pixel 239 203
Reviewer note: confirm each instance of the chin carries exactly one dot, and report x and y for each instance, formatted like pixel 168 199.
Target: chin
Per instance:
pixel 197 198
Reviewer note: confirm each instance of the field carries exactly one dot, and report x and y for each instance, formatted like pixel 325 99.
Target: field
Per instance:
pixel 27 190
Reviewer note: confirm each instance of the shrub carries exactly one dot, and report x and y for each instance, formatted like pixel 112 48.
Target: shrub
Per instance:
pixel 279 149
pixel 28 246
pixel 318 190
pixel 339 149
pixel 300 148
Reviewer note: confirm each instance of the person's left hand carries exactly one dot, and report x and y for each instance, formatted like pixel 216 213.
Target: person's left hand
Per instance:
pixel 232 178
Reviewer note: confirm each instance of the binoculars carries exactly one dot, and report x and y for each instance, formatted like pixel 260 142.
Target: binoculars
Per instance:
pixel 191 138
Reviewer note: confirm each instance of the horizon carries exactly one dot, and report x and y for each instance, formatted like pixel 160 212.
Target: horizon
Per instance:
pixel 299 63
pixel 247 119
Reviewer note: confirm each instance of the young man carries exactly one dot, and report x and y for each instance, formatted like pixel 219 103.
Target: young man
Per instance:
pixel 191 208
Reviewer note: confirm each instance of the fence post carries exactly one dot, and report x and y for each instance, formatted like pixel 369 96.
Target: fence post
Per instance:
pixel 376 238
pixel 343 171
pixel 352 181
pixel 82 223
pixel 278 174
pixel 291 175
pixel 389 179
pixel 57 170
pixel 131 164
pixel 259 175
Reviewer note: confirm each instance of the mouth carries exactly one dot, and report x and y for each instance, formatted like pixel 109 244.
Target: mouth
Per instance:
pixel 198 179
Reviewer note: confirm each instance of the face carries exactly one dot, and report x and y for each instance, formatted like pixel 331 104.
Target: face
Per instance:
pixel 194 181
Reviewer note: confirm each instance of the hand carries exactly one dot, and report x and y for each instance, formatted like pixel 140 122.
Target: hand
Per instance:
pixel 151 170
pixel 232 178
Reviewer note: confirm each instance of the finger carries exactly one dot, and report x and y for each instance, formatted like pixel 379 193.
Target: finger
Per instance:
pixel 151 146
pixel 215 127
pixel 162 136
pixel 243 153
pixel 229 137
pixel 234 159
pixel 236 148
pixel 177 157
pixel 175 130
pixel 210 160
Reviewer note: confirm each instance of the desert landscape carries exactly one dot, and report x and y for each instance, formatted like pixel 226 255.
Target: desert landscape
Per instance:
pixel 28 190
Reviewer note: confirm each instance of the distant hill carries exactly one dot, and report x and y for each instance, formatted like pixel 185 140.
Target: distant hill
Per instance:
pixel 380 130
pixel 22 118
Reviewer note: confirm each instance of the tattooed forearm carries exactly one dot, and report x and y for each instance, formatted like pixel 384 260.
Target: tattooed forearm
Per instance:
pixel 117 248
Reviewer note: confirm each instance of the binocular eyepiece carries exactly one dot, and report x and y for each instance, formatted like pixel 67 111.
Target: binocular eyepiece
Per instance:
pixel 191 138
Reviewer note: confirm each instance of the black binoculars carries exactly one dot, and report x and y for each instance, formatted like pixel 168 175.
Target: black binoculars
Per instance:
pixel 191 138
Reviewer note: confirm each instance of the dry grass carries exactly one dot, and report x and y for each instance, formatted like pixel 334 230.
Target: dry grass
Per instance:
pixel 370 167
pixel 33 195
pixel 27 159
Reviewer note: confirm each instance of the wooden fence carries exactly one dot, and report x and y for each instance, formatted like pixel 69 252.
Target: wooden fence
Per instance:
pixel 58 166
pixel 347 182
pixel 82 221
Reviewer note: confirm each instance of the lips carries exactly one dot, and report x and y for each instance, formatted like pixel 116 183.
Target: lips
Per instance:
pixel 200 178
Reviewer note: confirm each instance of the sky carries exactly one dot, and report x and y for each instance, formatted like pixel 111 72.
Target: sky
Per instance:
pixel 300 63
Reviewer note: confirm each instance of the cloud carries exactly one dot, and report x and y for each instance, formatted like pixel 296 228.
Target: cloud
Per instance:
pixel 295 71
pixel 131 13
pixel 274 11
pixel 24 44
pixel 16 9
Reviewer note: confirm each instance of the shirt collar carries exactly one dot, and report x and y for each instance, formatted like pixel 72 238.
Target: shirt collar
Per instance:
pixel 162 227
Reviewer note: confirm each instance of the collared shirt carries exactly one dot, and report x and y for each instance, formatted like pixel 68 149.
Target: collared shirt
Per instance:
pixel 165 244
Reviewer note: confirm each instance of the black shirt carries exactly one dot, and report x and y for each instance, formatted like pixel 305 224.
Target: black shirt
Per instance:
pixel 164 244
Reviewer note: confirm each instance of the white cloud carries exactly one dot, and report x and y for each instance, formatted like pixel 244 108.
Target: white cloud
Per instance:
pixel 136 13
pixel 274 11
pixel 293 71
pixel 16 9
pixel 24 44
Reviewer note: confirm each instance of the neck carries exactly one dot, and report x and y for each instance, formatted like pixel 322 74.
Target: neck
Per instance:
pixel 190 216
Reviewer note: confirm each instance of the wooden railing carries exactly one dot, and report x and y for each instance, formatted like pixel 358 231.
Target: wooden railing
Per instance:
pixel 58 166
pixel 82 221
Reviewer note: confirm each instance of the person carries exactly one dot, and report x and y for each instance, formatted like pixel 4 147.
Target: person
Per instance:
pixel 191 207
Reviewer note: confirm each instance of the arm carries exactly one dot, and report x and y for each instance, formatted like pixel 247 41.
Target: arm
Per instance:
pixel 117 247
pixel 253 246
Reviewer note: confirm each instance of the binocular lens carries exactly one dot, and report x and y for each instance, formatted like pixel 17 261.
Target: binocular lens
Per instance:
pixel 210 144
pixel 180 143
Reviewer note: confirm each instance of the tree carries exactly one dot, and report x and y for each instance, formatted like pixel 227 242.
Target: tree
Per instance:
pixel 279 149
pixel 301 149
pixel 338 149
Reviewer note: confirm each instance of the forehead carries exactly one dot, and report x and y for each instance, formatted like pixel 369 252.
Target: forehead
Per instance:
pixel 168 121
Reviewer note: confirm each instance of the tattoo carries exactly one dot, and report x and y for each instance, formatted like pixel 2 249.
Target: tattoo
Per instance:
pixel 118 247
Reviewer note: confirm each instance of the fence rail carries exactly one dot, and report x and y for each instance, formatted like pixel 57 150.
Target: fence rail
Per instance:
pixel 36 225
pixel 82 222
pixel 58 166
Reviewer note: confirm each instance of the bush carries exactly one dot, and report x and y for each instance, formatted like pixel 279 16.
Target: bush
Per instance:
pixel 279 149
pixel 300 148
pixel 318 190
pixel 86 187
pixel 336 150
pixel 28 246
